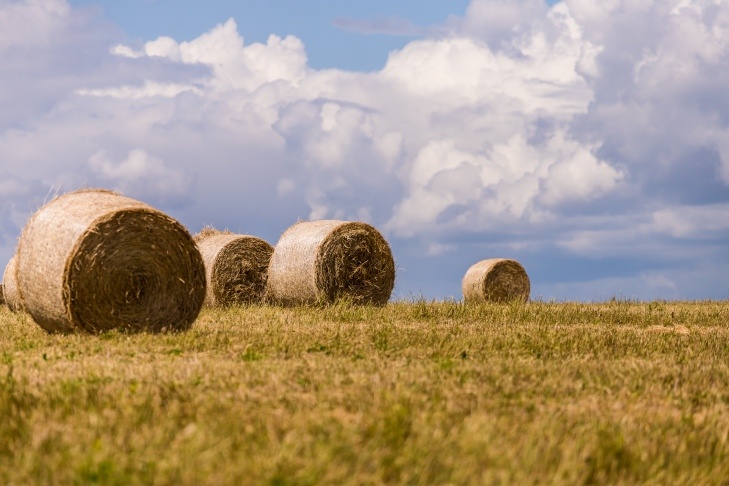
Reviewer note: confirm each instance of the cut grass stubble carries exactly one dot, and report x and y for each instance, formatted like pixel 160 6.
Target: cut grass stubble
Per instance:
pixel 419 392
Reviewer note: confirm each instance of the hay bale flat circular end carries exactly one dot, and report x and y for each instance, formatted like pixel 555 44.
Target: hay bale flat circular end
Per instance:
pixel 10 291
pixel 496 280
pixel 236 267
pixel 96 261
pixel 325 261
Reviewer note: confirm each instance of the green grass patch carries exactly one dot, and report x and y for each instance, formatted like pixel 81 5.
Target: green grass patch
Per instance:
pixel 414 392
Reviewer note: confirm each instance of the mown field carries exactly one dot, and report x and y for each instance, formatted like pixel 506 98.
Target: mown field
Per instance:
pixel 413 393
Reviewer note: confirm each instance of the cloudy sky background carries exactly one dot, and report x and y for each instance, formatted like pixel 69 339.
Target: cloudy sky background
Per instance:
pixel 587 139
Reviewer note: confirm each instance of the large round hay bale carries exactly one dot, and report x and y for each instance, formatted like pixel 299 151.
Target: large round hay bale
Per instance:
pixel 323 261
pixel 236 267
pixel 94 260
pixel 10 291
pixel 496 280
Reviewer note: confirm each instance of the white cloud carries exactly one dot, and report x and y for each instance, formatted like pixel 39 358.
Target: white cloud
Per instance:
pixel 706 221
pixel 125 51
pixel 235 66
pixel 149 89
pixel 163 47
pixel 662 67
pixel 142 175
pixel 577 175
pixel 346 141
pixel 32 23
pixel 515 180
pixel 502 22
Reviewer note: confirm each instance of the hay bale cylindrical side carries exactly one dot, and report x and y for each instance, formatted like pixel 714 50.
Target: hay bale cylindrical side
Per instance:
pixel 496 280
pixel 323 261
pixel 94 260
pixel 11 294
pixel 236 267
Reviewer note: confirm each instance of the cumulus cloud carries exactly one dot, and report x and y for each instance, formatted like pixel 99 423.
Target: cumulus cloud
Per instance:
pixel 235 66
pixel 32 24
pixel 582 130
pixel 143 176
pixel 658 98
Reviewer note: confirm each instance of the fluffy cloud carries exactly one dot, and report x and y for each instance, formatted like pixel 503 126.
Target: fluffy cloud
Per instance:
pixel 143 176
pixel 235 66
pixel 580 133
pixel 32 24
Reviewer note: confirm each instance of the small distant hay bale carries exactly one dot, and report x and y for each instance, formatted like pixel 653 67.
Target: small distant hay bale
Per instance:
pixel 236 267
pixel 94 260
pixel 324 261
pixel 10 291
pixel 496 280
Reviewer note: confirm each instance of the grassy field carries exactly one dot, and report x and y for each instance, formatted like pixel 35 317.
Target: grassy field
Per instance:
pixel 415 393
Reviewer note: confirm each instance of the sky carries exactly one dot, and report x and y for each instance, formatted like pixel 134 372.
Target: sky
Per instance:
pixel 589 140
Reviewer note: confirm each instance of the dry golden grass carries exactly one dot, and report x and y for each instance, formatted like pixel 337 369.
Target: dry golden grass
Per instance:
pixel 414 393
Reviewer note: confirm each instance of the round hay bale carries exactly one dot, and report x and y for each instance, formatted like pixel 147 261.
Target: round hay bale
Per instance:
pixel 94 260
pixel 11 294
pixel 236 267
pixel 496 280
pixel 323 261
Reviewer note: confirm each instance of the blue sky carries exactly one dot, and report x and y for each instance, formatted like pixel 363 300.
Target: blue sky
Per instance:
pixel 589 140
pixel 331 29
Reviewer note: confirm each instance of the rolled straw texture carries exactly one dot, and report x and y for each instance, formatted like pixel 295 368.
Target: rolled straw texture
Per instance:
pixel 11 294
pixel 323 261
pixel 496 280
pixel 93 260
pixel 236 267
